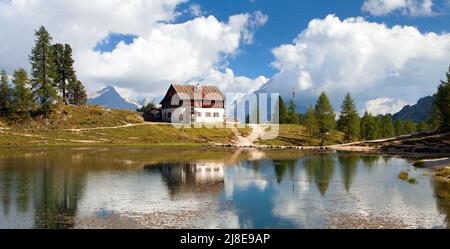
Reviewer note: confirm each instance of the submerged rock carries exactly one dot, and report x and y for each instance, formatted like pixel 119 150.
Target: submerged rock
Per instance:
pixel 412 180
pixel 403 175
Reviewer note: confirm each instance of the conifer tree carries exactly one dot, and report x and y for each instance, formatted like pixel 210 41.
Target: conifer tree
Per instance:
pixel 310 121
pixel 410 127
pixel 370 129
pixel 325 116
pixel 442 104
pixel 77 93
pixel 23 102
pixel 64 70
pixel 5 95
pixel 293 117
pixel 349 121
pixel 43 71
pixel 387 129
pixel 424 126
pixel 282 111
pixel 399 127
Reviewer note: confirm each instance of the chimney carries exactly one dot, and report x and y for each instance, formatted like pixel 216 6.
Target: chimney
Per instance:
pixel 197 92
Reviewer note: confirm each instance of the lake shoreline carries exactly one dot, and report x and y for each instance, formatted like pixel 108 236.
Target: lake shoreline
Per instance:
pixel 435 161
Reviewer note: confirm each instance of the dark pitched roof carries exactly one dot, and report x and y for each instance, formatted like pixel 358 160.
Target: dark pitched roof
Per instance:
pixel 205 92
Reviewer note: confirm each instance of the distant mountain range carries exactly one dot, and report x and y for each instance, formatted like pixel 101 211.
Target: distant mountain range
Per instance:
pixel 418 112
pixel 110 98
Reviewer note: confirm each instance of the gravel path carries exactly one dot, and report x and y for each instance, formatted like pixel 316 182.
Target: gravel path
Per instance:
pixel 256 133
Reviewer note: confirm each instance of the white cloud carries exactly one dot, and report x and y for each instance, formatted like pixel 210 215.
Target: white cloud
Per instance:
pixel 83 23
pixel 254 22
pixel 196 10
pixel 232 83
pixel 384 106
pixel 369 60
pixel 404 7
pixel 163 52
pixel 179 53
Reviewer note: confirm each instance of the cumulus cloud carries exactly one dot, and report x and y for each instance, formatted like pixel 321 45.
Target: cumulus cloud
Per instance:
pixel 369 60
pixel 163 51
pixel 196 10
pixel 404 7
pixel 83 23
pixel 384 106
pixel 254 22
pixel 232 83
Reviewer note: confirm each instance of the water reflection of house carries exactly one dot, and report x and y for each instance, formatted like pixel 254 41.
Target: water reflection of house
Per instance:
pixel 207 173
pixel 191 177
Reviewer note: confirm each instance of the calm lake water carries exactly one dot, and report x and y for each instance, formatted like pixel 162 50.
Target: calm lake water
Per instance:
pixel 214 188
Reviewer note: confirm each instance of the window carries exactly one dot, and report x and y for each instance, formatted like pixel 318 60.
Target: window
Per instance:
pixel 216 115
pixel 169 115
pixel 208 114
pixel 199 114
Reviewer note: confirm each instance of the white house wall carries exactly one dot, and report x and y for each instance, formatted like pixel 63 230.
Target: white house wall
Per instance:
pixel 211 119
pixel 199 119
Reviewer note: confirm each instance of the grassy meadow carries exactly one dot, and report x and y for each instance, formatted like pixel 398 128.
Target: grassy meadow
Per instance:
pixel 97 126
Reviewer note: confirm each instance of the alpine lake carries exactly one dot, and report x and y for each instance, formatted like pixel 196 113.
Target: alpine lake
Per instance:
pixel 194 187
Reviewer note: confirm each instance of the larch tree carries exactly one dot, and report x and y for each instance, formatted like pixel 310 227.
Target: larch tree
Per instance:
pixel 283 112
pixel 349 122
pixel 442 104
pixel 399 127
pixel 293 117
pixel 326 118
pixel 5 94
pixel 23 102
pixel 370 127
pixel 410 127
pixel 311 121
pixel 387 129
pixel 64 70
pixel 424 126
pixel 77 94
pixel 43 71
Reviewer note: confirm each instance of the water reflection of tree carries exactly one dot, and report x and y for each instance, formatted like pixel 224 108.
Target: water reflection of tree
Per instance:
pixel 320 169
pixel 23 190
pixel 58 191
pixel 386 159
pixel 348 163
pixel 281 167
pixel 442 193
pixel 7 179
pixel 256 166
pixel 52 184
pixel 370 160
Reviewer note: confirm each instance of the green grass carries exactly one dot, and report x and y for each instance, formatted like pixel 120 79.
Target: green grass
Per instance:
pixel 55 130
pixel 149 134
pixel 296 135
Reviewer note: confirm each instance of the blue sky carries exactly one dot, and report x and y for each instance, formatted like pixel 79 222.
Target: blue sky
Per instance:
pixel 337 46
pixel 287 18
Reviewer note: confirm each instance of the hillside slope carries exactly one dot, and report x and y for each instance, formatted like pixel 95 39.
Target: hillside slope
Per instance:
pixel 98 126
pixel 418 113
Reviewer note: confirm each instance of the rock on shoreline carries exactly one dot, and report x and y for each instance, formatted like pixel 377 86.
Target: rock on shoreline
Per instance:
pixel 443 173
